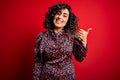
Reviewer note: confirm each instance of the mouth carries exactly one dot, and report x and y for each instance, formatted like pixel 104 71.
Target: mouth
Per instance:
pixel 58 21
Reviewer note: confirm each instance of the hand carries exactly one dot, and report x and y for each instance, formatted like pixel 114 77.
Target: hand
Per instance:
pixel 83 35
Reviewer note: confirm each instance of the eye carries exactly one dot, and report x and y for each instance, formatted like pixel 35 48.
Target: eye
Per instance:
pixel 58 13
pixel 65 16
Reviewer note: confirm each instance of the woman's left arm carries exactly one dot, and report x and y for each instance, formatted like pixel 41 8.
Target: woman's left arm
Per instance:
pixel 80 46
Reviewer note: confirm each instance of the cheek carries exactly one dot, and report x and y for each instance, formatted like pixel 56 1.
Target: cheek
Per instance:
pixel 66 20
pixel 54 20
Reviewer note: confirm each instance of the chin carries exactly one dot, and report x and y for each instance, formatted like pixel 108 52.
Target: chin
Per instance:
pixel 57 26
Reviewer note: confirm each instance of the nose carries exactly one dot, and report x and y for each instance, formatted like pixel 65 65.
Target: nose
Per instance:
pixel 60 16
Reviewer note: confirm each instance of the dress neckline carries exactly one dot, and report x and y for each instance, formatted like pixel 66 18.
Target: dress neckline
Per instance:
pixel 56 33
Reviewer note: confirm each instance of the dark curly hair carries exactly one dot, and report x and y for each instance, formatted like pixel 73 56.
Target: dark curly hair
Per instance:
pixel 72 23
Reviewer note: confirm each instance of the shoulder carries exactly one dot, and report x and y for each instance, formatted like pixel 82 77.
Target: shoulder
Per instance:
pixel 74 35
pixel 42 34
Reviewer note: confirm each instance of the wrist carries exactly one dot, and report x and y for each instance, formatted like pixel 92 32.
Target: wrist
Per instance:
pixel 84 43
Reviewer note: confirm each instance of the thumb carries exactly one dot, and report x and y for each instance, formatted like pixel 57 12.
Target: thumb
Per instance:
pixel 89 29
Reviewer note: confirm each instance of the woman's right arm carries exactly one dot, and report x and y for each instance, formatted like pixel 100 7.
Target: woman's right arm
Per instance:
pixel 38 58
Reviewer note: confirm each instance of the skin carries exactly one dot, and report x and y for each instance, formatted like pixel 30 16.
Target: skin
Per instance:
pixel 60 20
pixel 83 35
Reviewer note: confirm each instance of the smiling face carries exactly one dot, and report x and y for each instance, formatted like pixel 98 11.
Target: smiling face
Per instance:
pixel 61 18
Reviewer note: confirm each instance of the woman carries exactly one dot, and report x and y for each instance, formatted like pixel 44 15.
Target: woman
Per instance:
pixel 54 48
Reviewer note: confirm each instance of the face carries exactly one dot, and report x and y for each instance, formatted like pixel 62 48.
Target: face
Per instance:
pixel 61 18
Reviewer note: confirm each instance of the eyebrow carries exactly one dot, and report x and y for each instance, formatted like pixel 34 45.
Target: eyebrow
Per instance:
pixel 65 13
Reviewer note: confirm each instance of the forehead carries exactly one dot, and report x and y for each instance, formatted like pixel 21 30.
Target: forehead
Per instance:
pixel 65 11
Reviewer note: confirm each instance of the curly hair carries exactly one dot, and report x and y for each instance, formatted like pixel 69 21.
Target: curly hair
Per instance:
pixel 72 23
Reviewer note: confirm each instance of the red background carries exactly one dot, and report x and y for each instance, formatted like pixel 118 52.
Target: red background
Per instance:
pixel 22 20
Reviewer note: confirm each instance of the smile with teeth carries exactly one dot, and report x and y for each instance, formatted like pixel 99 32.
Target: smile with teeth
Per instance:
pixel 58 21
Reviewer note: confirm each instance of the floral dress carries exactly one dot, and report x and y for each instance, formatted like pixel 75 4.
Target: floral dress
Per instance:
pixel 53 55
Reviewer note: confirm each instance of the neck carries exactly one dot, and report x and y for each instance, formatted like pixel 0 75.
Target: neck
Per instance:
pixel 56 30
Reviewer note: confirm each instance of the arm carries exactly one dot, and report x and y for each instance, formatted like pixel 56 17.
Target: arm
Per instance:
pixel 79 50
pixel 38 58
